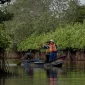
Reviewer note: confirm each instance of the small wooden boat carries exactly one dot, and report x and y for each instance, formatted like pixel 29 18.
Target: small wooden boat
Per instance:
pixel 37 62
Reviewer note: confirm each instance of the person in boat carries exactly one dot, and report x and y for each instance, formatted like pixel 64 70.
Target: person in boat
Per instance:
pixel 29 55
pixel 51 50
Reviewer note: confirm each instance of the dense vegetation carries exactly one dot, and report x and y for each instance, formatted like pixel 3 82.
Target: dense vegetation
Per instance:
pixel 68 37
pixel 40 16
pixel 5 37
pixel 33 22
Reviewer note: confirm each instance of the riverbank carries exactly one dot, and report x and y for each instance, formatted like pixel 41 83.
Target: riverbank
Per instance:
pixel 78 55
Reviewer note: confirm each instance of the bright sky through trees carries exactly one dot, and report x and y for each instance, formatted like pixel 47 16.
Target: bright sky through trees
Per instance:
pixel 82 1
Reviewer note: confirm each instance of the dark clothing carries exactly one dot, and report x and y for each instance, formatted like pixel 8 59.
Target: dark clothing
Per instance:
pixel 29 56
pixel 47 58
pixel 53 56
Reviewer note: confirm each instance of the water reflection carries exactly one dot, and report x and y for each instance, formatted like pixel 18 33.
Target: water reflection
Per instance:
pixel 2 81
pixel 4 76
pixel 30 72
pixel 47 75
pixel 52 77
pixel 75 65
pixel 73 74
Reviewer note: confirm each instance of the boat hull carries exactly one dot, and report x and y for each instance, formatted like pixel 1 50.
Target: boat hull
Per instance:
pixel 39 63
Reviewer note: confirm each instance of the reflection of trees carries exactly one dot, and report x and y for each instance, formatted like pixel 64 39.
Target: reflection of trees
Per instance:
pixel 2 81
pixel 3 68
pixel 6 75
pixel 75 65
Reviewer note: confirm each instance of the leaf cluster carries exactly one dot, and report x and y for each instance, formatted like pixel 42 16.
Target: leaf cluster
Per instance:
pixel 40 16
pixel 5 16
pixel 4 37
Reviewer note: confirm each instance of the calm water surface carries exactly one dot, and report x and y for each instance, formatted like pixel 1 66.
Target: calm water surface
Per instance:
pixel 73 74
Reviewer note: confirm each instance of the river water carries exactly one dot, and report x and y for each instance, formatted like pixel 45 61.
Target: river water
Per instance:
pixel 69 74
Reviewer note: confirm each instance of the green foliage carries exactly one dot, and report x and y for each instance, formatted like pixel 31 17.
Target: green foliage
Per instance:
pixel 66 38
pixel 41 20
pixel 5 16
pixel 80 14
pixel 4 37
pixel 40 16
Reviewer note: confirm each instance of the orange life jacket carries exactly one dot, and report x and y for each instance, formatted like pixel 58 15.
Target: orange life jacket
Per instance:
pixel 52 48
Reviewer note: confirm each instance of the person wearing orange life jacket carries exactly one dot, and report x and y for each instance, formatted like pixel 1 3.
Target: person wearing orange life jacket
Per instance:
pixel 52 50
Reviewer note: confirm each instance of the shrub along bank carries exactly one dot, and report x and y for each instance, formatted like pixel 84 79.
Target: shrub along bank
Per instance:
pixel 68 37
